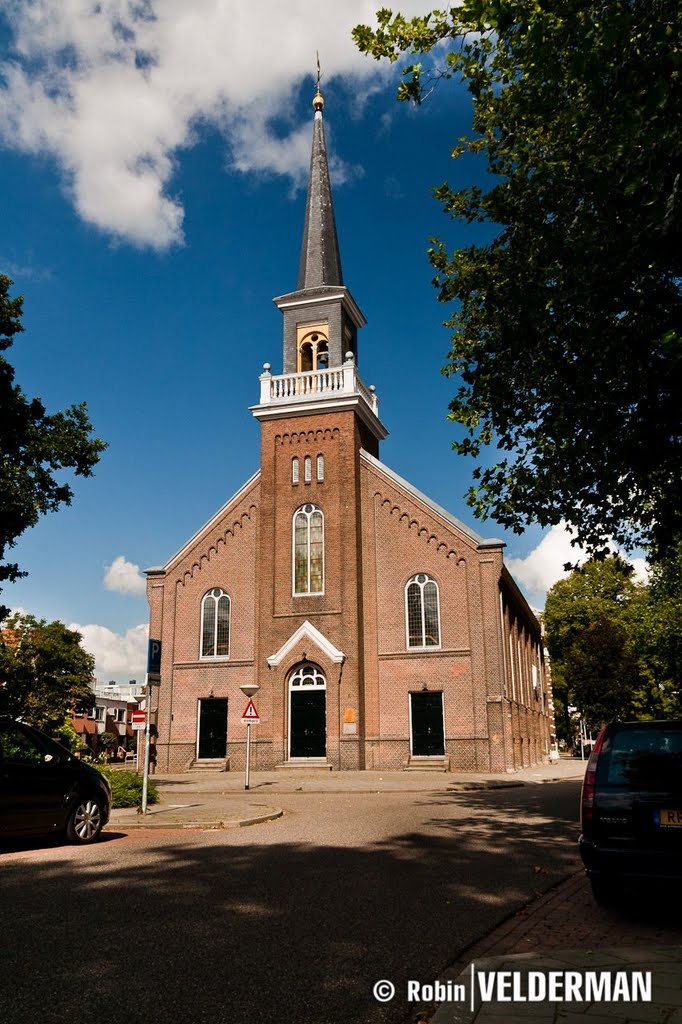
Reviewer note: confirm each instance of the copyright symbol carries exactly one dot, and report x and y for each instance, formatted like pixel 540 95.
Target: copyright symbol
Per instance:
pixel 384 991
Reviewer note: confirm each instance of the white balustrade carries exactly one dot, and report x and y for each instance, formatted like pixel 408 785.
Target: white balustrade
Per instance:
pixel 315 384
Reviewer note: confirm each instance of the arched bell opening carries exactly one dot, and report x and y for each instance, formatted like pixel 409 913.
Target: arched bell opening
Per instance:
pixel 312 349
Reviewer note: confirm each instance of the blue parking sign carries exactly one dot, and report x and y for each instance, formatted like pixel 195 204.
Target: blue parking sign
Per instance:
pixel 154 657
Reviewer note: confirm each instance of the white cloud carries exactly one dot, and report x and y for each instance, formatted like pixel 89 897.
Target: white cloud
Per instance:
pixel 115 653
pixel 541 569
pixel 114 90
pixel 125 577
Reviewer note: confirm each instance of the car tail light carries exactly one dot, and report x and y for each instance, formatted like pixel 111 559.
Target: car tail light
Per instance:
pixel 587 798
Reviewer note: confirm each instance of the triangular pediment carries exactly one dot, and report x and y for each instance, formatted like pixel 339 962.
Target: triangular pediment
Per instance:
pixel 307 632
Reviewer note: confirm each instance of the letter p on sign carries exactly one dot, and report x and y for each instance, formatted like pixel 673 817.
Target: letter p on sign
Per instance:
pixel 154 657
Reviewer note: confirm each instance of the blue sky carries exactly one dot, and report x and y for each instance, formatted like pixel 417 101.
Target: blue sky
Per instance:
pixel 153 171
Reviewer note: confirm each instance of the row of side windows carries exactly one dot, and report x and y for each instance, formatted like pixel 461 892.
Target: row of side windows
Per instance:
pixel 307 469
pixel 422 607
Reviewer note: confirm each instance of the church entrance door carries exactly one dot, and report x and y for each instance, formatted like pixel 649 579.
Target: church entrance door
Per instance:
pixel 212 738
pixel 308 712
pixel 426 714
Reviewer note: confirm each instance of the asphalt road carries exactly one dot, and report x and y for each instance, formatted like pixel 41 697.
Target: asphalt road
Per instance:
pixel 292 921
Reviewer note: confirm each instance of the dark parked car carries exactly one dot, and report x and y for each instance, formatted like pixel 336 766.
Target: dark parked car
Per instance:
pixel 44 788
pixel 631 814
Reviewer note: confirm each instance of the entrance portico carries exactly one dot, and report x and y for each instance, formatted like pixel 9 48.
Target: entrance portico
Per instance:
pixel 307 708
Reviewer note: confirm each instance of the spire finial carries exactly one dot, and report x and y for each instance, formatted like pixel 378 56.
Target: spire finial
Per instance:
pixel 318 100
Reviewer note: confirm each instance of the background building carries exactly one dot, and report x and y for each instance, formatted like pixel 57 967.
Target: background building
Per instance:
pixel 111 712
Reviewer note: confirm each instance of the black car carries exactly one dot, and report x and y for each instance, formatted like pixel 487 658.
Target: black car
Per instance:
pixel 631 813
pixel 44 788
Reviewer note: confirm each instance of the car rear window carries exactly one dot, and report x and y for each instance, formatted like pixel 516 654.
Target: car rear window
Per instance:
pixel 648 758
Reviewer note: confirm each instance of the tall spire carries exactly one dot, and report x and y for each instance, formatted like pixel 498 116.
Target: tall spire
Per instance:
pixel 320 261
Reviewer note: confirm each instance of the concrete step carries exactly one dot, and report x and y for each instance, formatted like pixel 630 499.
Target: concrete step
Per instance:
pixel 427 764
pixel 213 764
pixel 306 764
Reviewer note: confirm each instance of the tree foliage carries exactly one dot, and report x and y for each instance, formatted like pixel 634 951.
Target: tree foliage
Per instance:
pixel 43 671
pixel 659 638
pixel 605 659
pixel 34 446
pixel 566 343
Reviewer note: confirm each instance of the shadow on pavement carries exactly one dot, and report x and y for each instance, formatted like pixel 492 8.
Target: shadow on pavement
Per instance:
pixel 222 928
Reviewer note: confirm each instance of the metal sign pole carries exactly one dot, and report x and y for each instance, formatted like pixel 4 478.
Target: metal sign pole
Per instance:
pixel 147 738
pixel 249 689
pixel 247 773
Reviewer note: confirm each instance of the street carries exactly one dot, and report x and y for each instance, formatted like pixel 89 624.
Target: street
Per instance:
pixel 291 921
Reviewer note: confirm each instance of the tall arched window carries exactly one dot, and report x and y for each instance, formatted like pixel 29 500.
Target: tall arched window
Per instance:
pixel 308 544
pixel 215 624
pixel 423 613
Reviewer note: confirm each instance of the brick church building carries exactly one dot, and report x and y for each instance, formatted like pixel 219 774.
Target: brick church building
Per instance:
pixel 383 633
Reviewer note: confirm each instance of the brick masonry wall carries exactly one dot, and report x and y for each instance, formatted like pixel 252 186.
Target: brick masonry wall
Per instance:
pixel 221 555
pixel 377 536
pixel 336 611
pixel 402 538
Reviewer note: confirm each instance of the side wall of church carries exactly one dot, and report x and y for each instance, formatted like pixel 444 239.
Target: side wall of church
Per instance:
pixel 527 681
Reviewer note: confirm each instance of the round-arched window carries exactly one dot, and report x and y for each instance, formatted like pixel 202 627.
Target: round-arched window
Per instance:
pixel 423 612
pixel 308 550
pixel 215 624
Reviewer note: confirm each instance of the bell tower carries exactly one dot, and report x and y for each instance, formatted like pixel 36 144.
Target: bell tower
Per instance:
pixel 316 418
pixel 321 318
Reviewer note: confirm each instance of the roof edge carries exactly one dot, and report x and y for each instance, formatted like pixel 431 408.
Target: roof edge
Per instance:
pixel 481 542
pixel 193 539
pixel 511 583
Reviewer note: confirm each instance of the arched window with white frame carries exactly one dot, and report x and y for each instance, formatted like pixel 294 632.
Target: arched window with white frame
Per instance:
pixel 215 624
pixel 422 609
pixel 308 550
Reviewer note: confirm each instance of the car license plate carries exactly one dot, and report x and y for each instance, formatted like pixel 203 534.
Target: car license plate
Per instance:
pixel 668 818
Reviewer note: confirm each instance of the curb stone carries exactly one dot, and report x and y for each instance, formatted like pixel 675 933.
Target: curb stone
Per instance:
pixel 156 820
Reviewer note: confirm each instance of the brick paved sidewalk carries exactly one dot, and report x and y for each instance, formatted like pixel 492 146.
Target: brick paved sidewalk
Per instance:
pixel 566 928
pixel 567 917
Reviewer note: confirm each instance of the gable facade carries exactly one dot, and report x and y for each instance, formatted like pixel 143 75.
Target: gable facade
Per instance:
pixel 382 633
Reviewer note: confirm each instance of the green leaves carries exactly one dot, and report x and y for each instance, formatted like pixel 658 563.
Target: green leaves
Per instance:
pixel 614 643
pixel 44 670
pixel 567 328
pixel 34 446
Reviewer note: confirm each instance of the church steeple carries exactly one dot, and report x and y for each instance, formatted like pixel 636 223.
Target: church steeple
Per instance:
pixel 321 318
pixel 320 260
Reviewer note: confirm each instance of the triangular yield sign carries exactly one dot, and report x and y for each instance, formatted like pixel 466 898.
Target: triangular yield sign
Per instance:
pixel 250 712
